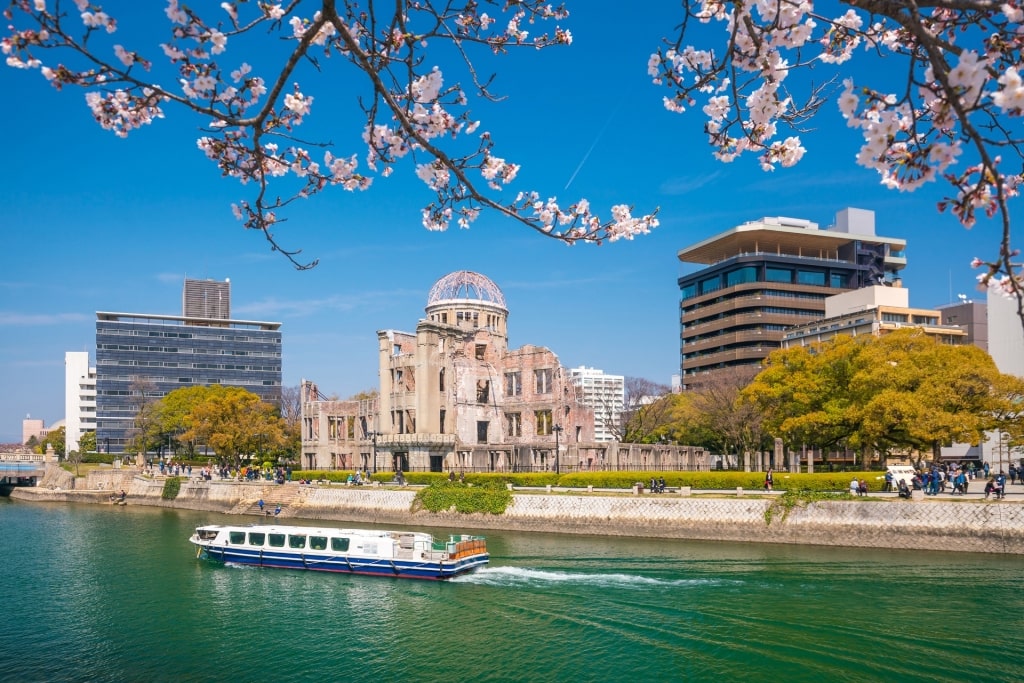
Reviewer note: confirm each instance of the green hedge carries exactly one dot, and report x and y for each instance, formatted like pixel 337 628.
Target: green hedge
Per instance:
pixel 715 479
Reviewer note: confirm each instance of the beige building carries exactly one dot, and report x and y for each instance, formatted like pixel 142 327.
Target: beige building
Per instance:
pixel 872 310
pixel 454 397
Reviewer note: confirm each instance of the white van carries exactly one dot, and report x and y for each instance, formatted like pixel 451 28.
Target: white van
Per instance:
pixel 904 472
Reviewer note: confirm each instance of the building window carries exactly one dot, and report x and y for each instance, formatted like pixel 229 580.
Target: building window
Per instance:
pixel 688 292
pixel 778 275
pixel 440 379
pixel 483 391
pixel 480 350
pixel 515 424
pixel 741 275
pixel 710 284
pixel 441 420
pixel 543 419
pixel 513 384
pixel 894 317
pixel 810 277
pixel 481 431
pixel 542 381
pixel 837 281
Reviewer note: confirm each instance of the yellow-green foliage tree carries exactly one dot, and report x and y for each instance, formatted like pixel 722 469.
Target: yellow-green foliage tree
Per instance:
pixel 55 438
pixel 903 391
pixel 230 420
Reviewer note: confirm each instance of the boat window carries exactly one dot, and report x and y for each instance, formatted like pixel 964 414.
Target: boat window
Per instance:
pixel 318 543
pixel 276 540
pixel 339 544
pixel 256 539
pixel 296 541
pixel 207 534
pixel 236 537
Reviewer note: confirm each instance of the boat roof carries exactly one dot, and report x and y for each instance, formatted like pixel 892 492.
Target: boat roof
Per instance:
pixel 284 529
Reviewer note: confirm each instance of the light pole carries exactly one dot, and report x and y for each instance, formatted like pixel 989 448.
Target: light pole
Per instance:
pixel 557 429
pixel 373 437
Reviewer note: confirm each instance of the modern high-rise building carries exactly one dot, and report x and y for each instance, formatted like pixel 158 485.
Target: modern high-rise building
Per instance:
pixel 142 357
pixel 206 299
pixel 606 395
pixel 79 398
pixel 762 277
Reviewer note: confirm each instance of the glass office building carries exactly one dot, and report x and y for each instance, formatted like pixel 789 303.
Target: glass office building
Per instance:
pixel 141 358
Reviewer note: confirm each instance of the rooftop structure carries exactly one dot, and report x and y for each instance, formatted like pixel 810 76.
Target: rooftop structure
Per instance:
pixel 206 299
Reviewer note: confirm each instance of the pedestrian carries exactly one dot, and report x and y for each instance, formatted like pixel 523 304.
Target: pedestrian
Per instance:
pixel 277 510
pixel 854 487
pixel 769 480
pixel 888 482
pixel 260 504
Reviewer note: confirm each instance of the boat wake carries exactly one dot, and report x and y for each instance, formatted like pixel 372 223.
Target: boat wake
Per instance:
pixel 518 576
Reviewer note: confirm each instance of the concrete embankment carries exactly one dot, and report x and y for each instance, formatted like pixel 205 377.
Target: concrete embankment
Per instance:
pixel 962 525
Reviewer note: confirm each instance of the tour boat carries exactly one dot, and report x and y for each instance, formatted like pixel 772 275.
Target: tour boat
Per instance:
pixel 402 554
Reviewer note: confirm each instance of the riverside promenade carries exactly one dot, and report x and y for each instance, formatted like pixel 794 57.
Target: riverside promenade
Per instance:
pixel 879 520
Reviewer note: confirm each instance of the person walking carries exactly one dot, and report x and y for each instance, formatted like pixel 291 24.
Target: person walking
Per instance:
pixel 769 480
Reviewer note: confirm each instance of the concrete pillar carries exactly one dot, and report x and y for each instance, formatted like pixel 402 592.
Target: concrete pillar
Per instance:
pixel 810 461
pixel 746 461
pixel 777 455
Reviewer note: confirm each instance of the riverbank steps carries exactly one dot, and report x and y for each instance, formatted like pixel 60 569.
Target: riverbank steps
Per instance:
pixel 982 526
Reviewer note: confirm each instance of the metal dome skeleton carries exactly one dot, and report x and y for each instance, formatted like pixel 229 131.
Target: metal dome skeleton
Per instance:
pixel 465 285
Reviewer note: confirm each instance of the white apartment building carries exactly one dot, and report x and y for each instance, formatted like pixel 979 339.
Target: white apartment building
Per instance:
pixel 606 395
pixel 1005 335
pixel 79 398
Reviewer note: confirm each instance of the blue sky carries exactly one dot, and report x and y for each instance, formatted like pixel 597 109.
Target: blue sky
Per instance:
pixel 93 223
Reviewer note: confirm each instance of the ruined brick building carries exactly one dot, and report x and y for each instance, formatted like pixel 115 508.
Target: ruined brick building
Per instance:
pixel 454 397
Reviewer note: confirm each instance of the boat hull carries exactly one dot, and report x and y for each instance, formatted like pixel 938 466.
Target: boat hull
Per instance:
pixel 403 569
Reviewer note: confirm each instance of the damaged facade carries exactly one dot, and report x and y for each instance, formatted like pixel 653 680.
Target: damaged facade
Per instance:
pixel 454 397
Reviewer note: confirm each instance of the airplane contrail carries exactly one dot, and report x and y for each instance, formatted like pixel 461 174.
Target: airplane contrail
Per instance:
pixel 586 156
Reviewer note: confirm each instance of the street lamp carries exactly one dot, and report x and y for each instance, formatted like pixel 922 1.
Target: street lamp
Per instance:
pixel 557 429
pixel 373 437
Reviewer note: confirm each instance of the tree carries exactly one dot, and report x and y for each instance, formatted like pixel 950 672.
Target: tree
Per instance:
pixel 234 422
pixel 87 442
pixel 903 391
pixel 718 408
pixel 637 392
pixel 146 430
pixel 952 114
pixel 249 120
pixel 55 438
pixel 291 413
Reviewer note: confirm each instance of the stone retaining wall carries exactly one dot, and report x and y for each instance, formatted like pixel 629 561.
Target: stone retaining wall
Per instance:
pixel 967 526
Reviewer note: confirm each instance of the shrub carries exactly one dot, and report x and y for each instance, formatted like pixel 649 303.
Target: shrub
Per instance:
pixel 491 497
pixel 171 488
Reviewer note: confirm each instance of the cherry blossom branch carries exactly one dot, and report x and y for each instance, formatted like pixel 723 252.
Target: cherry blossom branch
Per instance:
pixel 250 125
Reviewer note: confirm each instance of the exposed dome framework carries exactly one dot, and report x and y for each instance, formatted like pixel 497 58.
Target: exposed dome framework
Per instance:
pixel 465 285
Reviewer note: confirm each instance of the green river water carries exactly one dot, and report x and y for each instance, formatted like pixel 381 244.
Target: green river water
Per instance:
pixel 107 593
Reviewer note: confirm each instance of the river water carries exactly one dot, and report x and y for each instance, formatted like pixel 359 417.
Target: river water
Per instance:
pixel 110 593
